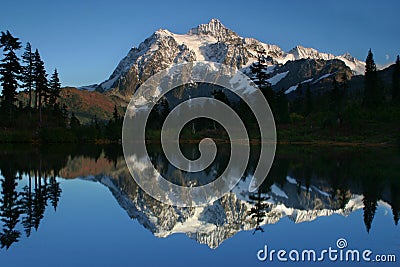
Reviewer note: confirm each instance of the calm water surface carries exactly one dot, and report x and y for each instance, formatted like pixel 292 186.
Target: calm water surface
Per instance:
pixel 79 206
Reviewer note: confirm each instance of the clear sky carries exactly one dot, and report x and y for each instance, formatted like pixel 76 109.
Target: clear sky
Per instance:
pixel 85 40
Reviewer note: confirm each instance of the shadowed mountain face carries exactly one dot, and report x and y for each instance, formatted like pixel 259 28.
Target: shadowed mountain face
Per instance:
pixel 302 185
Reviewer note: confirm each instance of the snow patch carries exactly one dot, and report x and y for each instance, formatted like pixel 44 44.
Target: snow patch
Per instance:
pixel 322 77
pixel 239 82
pixel 277 78
pixel 195 43
pixel 291 89
pixel 320 191
pixel 291 180
pixel 278 192
pixel 307 81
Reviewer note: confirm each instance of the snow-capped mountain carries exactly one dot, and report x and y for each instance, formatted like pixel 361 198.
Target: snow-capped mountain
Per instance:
pixel 213 224
pixel 295 194
pixel 210 42
pixel 234 212
pixel 300 52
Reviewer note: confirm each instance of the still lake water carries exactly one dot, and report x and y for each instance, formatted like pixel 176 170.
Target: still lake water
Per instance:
pixel 79 206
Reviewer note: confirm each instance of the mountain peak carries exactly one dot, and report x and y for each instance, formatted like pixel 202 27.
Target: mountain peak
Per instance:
pixel 302 49
pixel 214 21
pixel 162 32
pixel 214 28
pixel 210 42
pixel 306 52
pixel 348 56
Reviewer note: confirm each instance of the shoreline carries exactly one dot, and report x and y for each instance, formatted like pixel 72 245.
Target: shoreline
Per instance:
pixel 252 141
pixel 285 142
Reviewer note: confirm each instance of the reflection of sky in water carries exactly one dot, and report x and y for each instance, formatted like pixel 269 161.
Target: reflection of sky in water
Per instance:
pixel 91 229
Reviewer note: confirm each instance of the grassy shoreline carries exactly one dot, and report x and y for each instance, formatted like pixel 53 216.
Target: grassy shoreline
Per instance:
pixel 371 141
pixel 286 142
pixel 385 134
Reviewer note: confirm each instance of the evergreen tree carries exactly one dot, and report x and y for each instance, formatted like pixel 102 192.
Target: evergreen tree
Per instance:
pixel 395 203
pixel 373 93
pixel 27 71
pixel 259 209
pixel 10 70
pixel 220 95
pixel 260 77
pixel 153 122
pixel 309 105
pixel 299 90
pixel 115 114
pixel 95 122
pixel 54 88
pixel 10 209
pixel 370 205
pixel 344 86
pixel 54 192
pixel 336 97
pixel 164 109
pixel 282 107
pixel 396 80
pixel 74 122
pixel 27 207
pixel 113 129
pixel 64 113
pixel 40 199
pixel 40 80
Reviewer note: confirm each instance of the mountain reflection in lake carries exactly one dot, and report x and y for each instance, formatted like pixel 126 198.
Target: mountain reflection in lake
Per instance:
pixel 304 183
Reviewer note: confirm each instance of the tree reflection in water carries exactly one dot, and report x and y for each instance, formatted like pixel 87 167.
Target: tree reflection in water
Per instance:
pixel 30 183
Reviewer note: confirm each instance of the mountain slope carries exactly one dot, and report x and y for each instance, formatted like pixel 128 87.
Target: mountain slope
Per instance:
pixel 86 104
pixel 210 42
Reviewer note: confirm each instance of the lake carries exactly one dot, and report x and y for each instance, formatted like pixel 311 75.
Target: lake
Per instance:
pixel 77 205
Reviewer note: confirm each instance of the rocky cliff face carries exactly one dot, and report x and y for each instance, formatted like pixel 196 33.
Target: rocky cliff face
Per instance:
pixel 210 42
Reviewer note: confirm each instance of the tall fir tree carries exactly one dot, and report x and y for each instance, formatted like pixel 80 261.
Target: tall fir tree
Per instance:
pixel 259 209
pixel 54 192
pixel 395 202
pixel 40 199
pixel 370 205
pixel 260 77
pixel 41 83
pixel 27 71
pixel 40 80
pixel 10 209
pixel 396 80
pixel 10 70
pixel 114 126
pixel 27 206
pixel 373 93
pixel 54 88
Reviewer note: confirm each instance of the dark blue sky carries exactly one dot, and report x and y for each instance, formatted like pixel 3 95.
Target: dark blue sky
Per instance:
pixel 85 40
